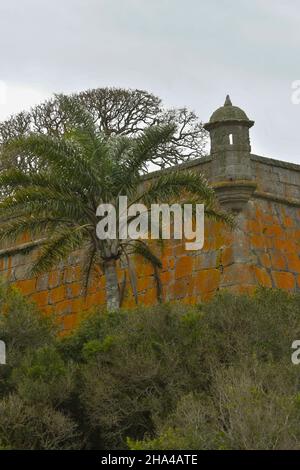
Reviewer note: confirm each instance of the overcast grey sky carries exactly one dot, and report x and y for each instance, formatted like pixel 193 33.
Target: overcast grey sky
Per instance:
pixel 190 53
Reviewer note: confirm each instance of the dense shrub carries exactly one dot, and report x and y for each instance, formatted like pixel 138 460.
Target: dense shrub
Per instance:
pixel 214 376
pixel 36 381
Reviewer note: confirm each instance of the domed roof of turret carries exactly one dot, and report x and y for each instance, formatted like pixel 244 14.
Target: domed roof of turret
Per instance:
pixel 228 112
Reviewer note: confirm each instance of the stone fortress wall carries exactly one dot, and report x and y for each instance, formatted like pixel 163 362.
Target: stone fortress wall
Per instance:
pixel 263 249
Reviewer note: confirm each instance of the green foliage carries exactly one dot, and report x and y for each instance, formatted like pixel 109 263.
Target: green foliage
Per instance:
pixel 43 377
pixel 213 376
pixel 35 382
pixel 93 347
pixel 22 326
pixel 33 427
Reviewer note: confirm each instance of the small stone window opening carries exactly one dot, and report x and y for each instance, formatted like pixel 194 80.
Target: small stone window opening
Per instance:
pixel 230 139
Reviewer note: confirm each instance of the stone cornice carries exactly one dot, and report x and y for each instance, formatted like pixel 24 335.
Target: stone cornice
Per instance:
pixel 274 162
pixel 186 165
pixel 281 199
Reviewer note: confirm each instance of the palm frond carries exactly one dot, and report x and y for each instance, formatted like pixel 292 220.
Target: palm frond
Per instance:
pixel 122 288
pixel 14 178
pixel 35 226
pixel 173 186
pixel 90 265
pixel 138 247
pixel 58 248
pixel 120 147
pixel 145 147
pixel 220 216
pixel 32 200
pixel 62 155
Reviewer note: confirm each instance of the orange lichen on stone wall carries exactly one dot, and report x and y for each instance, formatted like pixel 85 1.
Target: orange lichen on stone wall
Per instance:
pixel 263 249
pixel 275 251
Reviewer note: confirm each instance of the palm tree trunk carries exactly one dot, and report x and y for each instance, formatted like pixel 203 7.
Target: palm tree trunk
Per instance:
pixel 112 287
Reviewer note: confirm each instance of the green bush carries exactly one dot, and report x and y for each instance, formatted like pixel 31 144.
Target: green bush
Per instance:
pixel 214 376
pixel 35 382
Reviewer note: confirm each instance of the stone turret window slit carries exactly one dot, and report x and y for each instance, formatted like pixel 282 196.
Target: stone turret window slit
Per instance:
pixel 230 139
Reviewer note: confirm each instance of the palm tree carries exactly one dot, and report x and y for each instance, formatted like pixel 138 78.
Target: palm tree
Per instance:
pixel 79 171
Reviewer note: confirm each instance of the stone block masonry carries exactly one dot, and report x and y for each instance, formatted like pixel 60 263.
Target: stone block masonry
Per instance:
pixel 263 249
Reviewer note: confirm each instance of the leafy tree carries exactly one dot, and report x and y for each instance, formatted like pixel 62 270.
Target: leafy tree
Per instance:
pixel 82 169
pixel 114 111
